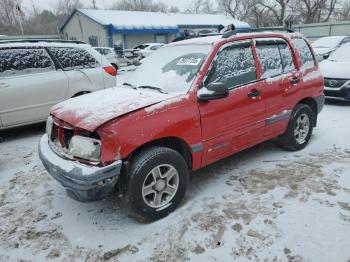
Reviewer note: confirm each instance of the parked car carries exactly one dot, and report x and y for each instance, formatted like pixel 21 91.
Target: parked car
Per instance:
pixel 34 76
pixel 147 49
pixel 112 56
pixel 188 105
pixel 324 46
pixel 336 70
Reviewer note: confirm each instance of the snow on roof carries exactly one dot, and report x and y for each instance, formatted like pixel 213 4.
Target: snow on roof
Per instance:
pixel 150 20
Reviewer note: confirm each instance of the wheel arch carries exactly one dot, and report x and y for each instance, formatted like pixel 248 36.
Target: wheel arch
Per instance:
pixel 311 102
pixel 81 93
pixel 175 143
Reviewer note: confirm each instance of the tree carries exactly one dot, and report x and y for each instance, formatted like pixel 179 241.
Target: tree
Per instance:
pixel 66 7
pixel 142 5
pixel 316 11
pixel 276 8
pixel 201 7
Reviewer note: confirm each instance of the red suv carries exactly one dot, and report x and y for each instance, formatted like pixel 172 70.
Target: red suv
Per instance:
pixel 188 105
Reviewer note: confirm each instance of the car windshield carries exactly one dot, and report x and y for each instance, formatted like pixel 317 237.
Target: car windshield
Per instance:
pixel 171 69
pixel 327 42
pixel 342 54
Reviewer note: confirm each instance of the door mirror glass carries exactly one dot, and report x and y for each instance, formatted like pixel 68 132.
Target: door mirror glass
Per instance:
pixel 213 91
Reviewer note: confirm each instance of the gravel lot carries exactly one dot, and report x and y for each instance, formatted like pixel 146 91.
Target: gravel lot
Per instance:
pixel 263 204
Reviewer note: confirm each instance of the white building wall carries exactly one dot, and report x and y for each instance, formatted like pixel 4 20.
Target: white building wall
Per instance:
pixel 81 28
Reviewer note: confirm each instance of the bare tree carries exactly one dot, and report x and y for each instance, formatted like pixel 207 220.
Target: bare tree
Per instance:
pixel 343 12
pixel 276 8
pixel 66 7
pixel 315 11
pixel 7 13
pixel 237 9
pixel 142 5
pixel 201 7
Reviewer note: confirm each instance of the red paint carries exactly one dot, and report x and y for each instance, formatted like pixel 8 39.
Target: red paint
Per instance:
pixel 110 70
pixel 223 126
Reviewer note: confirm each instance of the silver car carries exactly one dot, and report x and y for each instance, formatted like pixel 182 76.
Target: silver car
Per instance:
pixel 34 76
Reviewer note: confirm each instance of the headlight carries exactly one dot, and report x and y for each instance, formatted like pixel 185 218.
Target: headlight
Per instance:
pixel 85 148
pixel 49 124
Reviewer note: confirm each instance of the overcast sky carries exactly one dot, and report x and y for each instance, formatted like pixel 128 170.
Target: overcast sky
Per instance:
pixel 49 4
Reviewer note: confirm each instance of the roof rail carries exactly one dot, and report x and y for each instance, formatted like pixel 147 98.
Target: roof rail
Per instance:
pixel 254 30
pixel 40 40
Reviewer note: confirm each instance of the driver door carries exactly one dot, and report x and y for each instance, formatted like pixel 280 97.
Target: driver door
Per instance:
pixel 238 121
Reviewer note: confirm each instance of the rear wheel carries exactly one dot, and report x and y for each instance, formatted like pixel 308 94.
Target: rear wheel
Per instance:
pixel 299 129
pixel 157 182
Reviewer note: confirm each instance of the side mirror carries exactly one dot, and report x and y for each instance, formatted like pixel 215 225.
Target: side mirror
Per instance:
pixel 325 56
pixel 213 91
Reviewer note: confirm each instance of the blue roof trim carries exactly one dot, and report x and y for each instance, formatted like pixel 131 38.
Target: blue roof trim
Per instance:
pixel 115 30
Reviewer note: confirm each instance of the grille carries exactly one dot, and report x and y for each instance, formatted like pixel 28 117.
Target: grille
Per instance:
pixel 334 82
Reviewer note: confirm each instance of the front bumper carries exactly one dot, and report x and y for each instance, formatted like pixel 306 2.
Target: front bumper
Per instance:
pixel 342 93
pixel 82 182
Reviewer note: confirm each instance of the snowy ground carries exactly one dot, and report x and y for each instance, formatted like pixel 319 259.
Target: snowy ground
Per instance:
pixel 263 204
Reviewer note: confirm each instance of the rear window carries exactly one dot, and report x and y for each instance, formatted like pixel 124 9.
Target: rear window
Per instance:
pixel 270 58
pixel 74 58
pixel 305 53
pixel 24 61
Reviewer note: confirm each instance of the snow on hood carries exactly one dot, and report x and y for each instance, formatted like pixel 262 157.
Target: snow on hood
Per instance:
pixel 92 110
pixel 322 50
pixel 333 69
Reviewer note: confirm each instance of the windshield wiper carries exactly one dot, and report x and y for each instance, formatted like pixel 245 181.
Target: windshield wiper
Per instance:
pixel 128 84
pixel 154 88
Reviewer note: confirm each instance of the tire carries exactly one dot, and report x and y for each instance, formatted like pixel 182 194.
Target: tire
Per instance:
pixel 147 197
pixel 301 116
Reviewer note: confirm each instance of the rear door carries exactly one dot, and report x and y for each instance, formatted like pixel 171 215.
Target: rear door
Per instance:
pixel 85 73
pixel 280 80
pixel 29 85
pixel 237 121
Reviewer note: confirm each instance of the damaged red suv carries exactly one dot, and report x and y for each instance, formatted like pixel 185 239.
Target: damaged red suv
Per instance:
pixel 188 105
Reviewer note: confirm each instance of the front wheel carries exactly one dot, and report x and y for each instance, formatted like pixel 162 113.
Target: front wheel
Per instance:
pixel 157 182
pixel 299 129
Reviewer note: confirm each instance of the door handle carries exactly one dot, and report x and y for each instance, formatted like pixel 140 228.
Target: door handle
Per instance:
pixel 295 80
pixel 4 85
pixel 254 93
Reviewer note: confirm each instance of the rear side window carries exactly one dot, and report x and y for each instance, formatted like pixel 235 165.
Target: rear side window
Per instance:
pixel 24 61
pixel 287 58
pixel 270 58
pixel 74 58
pixel 304 51
pixel 233 66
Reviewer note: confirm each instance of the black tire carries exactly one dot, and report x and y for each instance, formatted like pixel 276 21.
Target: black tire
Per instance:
pixel 288 140
pixel 140 170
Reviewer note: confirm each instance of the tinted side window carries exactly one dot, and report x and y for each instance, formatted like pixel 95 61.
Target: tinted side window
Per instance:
pixel 270 58
pixel 304 51
pixel 287 58
pixel 233 66
pixel 71 58
pixel 24 61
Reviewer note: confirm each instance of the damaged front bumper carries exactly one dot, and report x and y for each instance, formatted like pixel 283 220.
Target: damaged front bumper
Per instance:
pixel 82 182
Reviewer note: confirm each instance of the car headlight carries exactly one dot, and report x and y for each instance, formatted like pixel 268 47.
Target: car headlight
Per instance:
pixel 85 148
pixel 49 124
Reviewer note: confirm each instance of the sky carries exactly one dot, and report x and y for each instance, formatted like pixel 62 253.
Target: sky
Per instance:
pixel 49 4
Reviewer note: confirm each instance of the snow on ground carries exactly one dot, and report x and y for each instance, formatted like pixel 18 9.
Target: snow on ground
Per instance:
pixel 263 204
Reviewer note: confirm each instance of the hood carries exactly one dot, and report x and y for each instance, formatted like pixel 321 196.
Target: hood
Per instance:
pixel 332 69
pixel 322 50
pixel 92 110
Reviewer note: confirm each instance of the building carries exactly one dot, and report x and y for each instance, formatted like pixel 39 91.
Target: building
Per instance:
pixel 127 29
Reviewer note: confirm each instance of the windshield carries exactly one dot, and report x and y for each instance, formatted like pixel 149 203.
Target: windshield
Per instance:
pixel 170 68
pixel 327 42
pixel 342 54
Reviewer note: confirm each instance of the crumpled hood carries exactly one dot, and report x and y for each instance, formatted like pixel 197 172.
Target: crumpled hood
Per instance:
pixel 92 110
pixel 332 69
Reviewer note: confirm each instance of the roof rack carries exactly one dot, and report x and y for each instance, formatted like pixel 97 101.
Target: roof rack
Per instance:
pixel 261 29
pixel 40 40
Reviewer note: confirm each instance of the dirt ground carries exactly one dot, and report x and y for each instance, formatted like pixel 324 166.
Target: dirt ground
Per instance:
pixel 263 204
